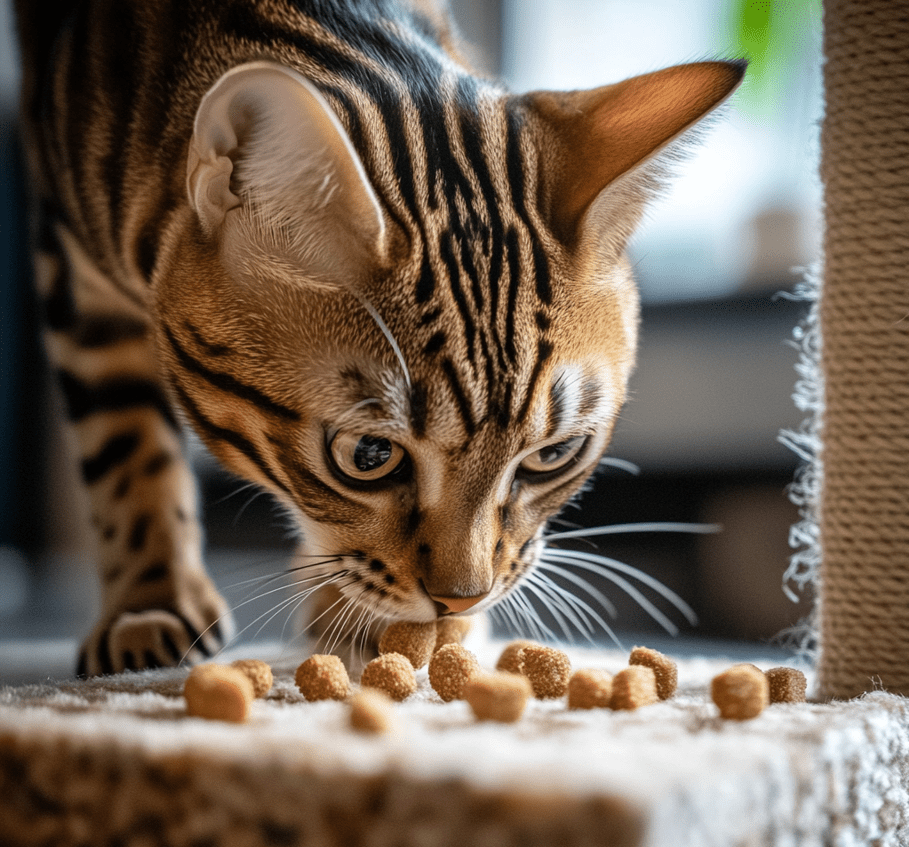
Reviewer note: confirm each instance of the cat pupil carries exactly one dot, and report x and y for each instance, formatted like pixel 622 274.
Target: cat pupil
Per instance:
pixel 371 453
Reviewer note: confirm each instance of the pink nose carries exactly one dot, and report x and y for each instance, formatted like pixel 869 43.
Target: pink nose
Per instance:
pixel 457 604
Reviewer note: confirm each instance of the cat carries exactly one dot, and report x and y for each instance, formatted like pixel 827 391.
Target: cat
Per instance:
pixel 376 284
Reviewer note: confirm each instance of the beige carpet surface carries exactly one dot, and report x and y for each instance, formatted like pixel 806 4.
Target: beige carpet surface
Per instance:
pixel 116 761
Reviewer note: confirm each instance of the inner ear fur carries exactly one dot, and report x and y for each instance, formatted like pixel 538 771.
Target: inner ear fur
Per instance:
pixel 269 162
pixel 597 139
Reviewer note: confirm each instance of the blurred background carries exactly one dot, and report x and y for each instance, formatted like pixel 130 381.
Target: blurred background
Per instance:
pixel 708 400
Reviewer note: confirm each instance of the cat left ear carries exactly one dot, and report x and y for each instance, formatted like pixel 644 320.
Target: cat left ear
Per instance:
pixel 595 181
pixel 270 166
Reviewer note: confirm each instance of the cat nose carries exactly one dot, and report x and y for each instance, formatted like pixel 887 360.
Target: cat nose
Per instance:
pixel 452 605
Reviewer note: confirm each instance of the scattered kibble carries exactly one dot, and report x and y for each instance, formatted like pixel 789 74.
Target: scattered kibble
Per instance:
pixel 451 631
pixel 787 685
pixel 510 660
pixel 664 669
pixel 323 677
pixel 414 641
pixel 218 692
pixel 633 687
pixel 741 692
pixel 259 674
pixel 371 711
pixel 589 689
pixel 547 668
pixel 500 696
pixel 450 669
pixel 391 673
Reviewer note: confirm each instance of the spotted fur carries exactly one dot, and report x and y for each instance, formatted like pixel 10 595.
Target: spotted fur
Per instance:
pixel 305 227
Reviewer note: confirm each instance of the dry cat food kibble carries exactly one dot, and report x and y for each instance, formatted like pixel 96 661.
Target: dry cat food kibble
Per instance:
pixel 218 692
pixel 323 677
pixel 547 669
pixel 451 631
pixel 510 660
pixel 500 696
pixel 259 674
pixel 787 685
pixel 450 669
pixel 633 687
pixel 589 689
pixel 740 693
pixel 664 669
pixel 371 711
pixel 391 673
pixel 414 641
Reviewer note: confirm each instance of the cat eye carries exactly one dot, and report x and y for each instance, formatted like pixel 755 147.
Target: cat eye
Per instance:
pixel 554 457
pixel 365 457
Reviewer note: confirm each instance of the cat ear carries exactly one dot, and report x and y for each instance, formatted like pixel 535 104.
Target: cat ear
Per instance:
pixel 270 163
pixel 596 179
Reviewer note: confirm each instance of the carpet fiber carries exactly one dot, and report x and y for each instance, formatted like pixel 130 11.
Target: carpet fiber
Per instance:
pixel 115 761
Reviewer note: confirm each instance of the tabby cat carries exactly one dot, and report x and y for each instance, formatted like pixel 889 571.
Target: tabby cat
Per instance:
pixel 376 284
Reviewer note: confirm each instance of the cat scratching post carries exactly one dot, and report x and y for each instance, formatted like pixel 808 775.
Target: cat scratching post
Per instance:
pixel 864 513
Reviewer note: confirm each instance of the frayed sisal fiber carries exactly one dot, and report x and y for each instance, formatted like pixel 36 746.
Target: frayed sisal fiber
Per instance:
pixel 115 761
pixel 863 609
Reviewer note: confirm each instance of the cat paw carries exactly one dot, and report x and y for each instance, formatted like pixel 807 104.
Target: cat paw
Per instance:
pixel 152 638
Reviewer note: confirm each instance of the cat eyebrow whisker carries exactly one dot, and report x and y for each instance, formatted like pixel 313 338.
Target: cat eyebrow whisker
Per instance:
pixel 374 314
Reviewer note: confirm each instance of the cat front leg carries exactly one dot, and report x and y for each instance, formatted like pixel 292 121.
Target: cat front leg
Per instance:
pixel 158 604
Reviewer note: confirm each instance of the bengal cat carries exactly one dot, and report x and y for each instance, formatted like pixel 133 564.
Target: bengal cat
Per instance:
pixel 376 284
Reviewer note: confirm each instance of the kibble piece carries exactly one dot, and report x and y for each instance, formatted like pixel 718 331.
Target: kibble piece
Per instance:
pixel 633 687
pixel 740 693
pixel 547 669
pixel 323 677
pixel 451 631
pixel 510 660
pixel 218 692
pixel 498 696
pixel 371 711
pixel 664 669
pixel 450 669
pixel 259 674
pixel 391 673
pixel 415 641
pixel 787 685
pixel 589 689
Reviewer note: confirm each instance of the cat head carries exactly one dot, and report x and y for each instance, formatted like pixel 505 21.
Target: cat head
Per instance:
pixel 416 324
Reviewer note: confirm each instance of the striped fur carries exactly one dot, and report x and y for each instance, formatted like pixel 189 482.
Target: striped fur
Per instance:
pixel 296 224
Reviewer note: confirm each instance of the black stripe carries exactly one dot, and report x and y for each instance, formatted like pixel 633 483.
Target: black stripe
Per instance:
pixel 94 331
pixel 210 348
pixel 121 56
pixel 435 343
pixel 457 292
pixel 139 532
pixel 460 397
pixel 419 408
pixel 60 312
pixel 426 284
pixel 216 433
pixel 514 282
pixel 114 395
pixel 504 412
pixel 228 383
pixel 116 450
pixel 544 351
pixel 430 317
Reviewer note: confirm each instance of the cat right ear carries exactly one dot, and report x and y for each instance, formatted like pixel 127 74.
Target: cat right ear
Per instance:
pixel 596 180
pixel 270 168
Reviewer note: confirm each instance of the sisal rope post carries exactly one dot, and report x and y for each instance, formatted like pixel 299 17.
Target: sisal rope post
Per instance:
pixel 863 606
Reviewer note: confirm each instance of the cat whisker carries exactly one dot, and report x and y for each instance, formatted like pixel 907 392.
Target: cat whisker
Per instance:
pixel 623 528
pixel 565 615
pixel 524 608
pixel 547 565
pixel 607 568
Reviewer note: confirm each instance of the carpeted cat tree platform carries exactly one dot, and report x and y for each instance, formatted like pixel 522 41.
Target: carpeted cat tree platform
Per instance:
pixel 115 761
